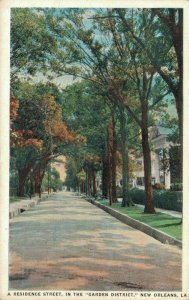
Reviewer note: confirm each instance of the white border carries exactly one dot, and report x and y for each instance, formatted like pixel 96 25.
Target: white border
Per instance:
pixel 5 6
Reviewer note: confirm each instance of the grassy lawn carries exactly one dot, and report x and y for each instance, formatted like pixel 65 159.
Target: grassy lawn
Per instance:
pixel 15 199
pixel 160 221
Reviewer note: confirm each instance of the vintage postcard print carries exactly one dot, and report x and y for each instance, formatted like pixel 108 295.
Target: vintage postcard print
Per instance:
pixel 94 150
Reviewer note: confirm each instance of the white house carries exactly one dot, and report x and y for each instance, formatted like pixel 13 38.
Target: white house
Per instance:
pixel 158 137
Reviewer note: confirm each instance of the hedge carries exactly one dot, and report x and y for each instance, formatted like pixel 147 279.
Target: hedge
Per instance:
pixel 162 199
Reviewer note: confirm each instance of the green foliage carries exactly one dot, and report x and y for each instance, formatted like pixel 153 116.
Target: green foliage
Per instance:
pixel 86 112
pixel 112 53
pixel 72 169
pixel 175 166
pixel 171 122
pixel 162 199
pixel 51 180
pixel 16 199
pixel 163 222
pixel 41 128
pixel 176 186
pixel 56 182
pixel 32 42
pixel 160 221
pixel 119 192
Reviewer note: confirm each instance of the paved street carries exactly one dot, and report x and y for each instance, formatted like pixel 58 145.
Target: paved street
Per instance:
pixel 67 243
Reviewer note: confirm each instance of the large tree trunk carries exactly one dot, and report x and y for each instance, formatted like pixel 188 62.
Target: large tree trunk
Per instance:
pixel 88 181
pixel 104 177
pixel 94 182
pixel 149 207
pixel 38 174
pixel 32 186
pixel 82 186
pixel 109 165
pixel 109 148
pixel 21 182
pixel 179 106
pixel 38 177
pixel 125 159
pixel 22 177
pixel 114 149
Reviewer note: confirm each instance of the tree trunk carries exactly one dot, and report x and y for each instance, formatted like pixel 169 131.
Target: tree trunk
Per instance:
pixel 94 182
pixel 22 177
pixel 32 187
pixel 38 177
pixel 88 181
pixel 125 159
pixel 179 106
pixel 82 186
pixel 109 152
pixel 149 207
pixel 104 178
pixel 38 174
pixel 114 149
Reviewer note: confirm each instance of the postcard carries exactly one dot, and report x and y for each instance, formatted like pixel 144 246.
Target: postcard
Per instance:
pixel 94 149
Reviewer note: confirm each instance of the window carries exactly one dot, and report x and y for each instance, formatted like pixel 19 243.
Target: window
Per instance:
pixel 140 181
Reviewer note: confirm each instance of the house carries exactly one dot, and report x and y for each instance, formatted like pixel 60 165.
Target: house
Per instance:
pixel 159 159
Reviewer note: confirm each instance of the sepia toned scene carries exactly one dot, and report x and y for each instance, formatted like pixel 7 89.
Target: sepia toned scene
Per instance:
pixel 96 143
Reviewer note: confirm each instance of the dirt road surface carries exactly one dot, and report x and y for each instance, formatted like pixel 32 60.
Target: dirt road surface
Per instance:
pixel 66 243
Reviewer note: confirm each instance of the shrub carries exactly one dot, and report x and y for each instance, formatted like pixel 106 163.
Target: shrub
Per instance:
pixel 177 186
pixel 98 195
pixel 138 196
pixel 158 186
pixel 165 199
pixel 119 191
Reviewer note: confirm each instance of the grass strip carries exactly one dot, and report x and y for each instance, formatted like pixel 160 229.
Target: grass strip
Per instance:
pixel 163 222
pixel 13 199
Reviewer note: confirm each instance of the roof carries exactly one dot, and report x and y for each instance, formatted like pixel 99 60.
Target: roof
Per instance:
pixel 157 131
pixel 164 130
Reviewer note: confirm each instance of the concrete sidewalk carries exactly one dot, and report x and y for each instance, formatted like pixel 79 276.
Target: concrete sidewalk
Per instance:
pixel 66 243
pixel 17 207
pixel 172 213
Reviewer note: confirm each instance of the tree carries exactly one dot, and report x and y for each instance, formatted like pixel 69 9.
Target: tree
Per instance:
pixel 93 122
pixel 164 47
pixel 118 51
pixel 173 20
pixel 33 44
pixel 137 77
pixel 99 64
pixel 38 134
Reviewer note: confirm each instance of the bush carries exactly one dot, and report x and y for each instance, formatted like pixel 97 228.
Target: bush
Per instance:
pixel 119 191
pixel 169 200
pixel 177 186
pixel 138 196
pixel 98 195
pixel 158 186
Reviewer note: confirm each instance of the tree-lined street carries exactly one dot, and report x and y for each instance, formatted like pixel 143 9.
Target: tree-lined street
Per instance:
pixel 67 243
pixel 125 69
pixel 98 94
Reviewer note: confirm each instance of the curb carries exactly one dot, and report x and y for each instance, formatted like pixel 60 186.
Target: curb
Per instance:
pixel 156 234
pixel 19 207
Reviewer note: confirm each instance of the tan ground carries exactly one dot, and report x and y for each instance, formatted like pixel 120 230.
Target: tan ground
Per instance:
pixel 67 243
